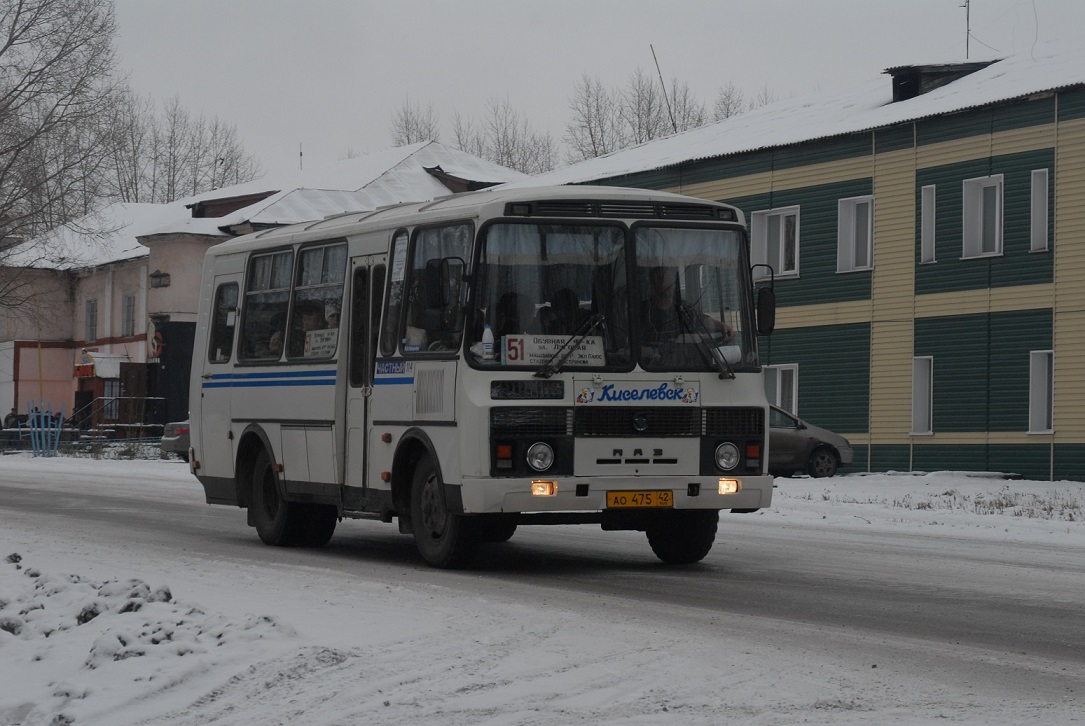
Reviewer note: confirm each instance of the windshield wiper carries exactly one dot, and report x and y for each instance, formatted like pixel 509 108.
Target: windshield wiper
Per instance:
pixel 557 360
pixel 711 351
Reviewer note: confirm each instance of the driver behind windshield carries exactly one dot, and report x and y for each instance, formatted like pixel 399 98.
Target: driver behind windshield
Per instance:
pixel 661 321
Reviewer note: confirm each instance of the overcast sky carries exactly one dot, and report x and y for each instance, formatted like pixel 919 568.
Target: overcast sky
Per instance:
pixel 328 75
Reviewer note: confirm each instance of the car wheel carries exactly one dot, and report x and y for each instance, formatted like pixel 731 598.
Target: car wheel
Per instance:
pixel 682 538
pixel 444 539
pixel 278 522
pixel 823 462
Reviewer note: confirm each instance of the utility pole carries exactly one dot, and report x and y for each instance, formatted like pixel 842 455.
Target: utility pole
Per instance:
pixel 967 25
pixel 666 98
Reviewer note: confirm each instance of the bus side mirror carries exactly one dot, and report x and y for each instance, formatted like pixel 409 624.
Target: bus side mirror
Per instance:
pixel 766 311
pixel 451 280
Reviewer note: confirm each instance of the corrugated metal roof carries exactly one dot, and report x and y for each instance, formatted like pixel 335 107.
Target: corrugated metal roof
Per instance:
pixel 823 115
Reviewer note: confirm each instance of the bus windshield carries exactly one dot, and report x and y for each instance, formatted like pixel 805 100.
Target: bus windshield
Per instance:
pixel 564 293
pixel 690 304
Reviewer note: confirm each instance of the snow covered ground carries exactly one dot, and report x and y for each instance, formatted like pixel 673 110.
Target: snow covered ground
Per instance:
pixel 140 635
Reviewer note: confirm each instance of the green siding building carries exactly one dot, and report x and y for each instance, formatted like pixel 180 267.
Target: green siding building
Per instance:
pixel 929 257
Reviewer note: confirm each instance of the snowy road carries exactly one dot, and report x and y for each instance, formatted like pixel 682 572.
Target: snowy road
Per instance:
pixel 827 608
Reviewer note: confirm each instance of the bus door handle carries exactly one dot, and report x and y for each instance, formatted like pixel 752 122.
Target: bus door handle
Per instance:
pixel 366 391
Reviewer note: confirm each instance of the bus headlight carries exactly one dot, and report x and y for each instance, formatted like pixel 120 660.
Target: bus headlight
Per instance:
pixel 540 456
pixel 727 456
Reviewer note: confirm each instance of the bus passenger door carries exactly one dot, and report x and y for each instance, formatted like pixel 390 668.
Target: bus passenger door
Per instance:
pixel 216 445
pixel 366 296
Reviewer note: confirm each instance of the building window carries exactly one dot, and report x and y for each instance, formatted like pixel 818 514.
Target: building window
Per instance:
pixel 91 329
pixel 983 216
pixel 926 224
pixel 775 239
pixel 782 386
pixel 922 394
pixel 1041 399
pixel 128 314
pixel 111 404
pixel 855 234
pixel 1039 211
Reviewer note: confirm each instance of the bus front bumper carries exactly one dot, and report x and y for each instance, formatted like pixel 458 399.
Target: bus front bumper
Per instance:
pixel 593 494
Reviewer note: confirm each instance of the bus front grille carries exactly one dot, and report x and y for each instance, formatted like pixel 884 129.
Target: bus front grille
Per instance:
pixel 630 421
pixel 536 421
pixel 741 422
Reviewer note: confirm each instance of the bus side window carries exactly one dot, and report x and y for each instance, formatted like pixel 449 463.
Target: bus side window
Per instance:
pixel 267 295
pixel 390 334
pixel 434 304
pixel 223 322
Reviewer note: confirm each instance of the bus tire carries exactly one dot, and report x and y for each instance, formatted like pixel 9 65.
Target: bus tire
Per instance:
pixel 277 521
pixel 444 539
pixel 682 538
pixel 496 528
pixel 319 524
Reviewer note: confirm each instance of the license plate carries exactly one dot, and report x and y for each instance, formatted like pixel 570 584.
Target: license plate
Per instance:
pixel 650 498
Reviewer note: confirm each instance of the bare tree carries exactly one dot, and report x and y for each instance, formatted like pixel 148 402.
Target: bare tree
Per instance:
pixel 643 110
pixel 689 113
pixel 763 98
pixel 163 156
pixel 729 102
pixel 410 124
pixel 505 137
pixel 595 128
pixel 57 86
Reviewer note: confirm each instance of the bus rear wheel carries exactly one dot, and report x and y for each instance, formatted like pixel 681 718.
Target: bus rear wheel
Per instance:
pixel 444 539
pixel 278 522
pixel 684 537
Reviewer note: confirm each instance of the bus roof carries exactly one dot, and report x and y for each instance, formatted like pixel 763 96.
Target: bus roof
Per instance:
pixel 630 204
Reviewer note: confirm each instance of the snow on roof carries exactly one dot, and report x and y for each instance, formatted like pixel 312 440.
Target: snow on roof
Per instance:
pixel 822 115
pixel 355 185
pixel 389 177
pixel 106 236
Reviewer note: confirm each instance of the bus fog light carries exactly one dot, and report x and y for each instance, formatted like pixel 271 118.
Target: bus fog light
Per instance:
pixel 544 488
pixel 727 456
pixel 730 486
pixel 540 456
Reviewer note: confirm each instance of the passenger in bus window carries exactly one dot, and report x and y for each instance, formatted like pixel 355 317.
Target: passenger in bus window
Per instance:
pixel 507 316
pixel 331 317
pixel 564 316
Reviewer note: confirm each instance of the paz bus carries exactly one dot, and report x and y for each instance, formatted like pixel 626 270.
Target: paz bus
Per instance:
pixel 483 361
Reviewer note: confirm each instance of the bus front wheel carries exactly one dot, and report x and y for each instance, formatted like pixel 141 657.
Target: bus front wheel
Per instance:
pixel 444 539
pixel 682 538
pixel 277 521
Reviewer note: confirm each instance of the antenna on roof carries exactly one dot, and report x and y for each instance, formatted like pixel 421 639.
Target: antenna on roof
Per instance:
pixel 665 96
pixel 967 25
pixel 300 159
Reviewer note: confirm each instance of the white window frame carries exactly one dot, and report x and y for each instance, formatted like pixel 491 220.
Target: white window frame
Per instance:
pixel 1039 211
pixel 128 314
pixel 922 395
pixel 1041 392
pixel 927 217
pixel 759 228
pixel 789 374
pixel 848 231
pixel 975 215
pixel 90 321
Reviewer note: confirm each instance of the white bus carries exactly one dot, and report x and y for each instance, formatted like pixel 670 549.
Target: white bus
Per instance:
pixel 487 360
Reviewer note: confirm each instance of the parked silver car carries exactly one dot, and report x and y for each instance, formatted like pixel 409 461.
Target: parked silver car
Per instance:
pixel 796 446
pixel 175 439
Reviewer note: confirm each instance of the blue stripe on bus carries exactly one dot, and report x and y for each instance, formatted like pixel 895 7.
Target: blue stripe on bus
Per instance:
pixel 279 374
pixel 268 384
pixel 393 381
pixel 271 379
